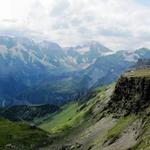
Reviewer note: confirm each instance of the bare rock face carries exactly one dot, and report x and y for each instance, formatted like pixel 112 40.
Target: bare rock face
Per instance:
pixel 131 95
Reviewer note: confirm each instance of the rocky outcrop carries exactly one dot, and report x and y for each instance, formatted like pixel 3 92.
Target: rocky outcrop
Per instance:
pixel 131 95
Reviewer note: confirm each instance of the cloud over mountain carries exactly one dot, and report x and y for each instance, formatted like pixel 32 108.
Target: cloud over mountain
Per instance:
pixel 119 24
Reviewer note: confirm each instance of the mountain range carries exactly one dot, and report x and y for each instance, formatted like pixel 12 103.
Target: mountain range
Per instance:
pixel 44 72
pixel 114 116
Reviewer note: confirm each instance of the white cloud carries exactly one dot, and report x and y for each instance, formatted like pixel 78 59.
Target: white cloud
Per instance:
pixel 118 24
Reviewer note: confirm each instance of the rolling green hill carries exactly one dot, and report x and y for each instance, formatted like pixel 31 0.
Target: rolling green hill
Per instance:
pixel 21 136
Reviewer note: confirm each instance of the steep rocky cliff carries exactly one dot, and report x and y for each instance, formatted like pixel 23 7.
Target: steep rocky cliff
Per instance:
pixel 131 93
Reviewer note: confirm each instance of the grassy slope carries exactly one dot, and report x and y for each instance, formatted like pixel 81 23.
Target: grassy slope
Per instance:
pixel 71 115
pixel 81 118
pixel 21 136
pixel 74 113
pixel 120 126
pixel 62 119
pixel 143 142
pixel 138 73
pixel 96 133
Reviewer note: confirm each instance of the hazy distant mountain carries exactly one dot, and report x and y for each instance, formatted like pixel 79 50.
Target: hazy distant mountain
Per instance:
pixel 33 72
pixel 71 86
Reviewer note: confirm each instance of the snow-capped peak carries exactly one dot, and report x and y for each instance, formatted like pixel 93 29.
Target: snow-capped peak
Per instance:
pixel 92 46
pixel 82 50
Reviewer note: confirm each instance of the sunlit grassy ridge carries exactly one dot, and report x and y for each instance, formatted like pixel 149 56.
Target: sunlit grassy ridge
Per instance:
pixel 138 73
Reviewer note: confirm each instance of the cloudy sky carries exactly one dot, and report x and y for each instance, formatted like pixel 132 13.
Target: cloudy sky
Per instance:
pixel 119 24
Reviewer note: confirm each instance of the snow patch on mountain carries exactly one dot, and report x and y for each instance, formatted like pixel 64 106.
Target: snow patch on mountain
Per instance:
pixel 108 53
pixel 83 50
pixel 71 60
pixel 17 52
